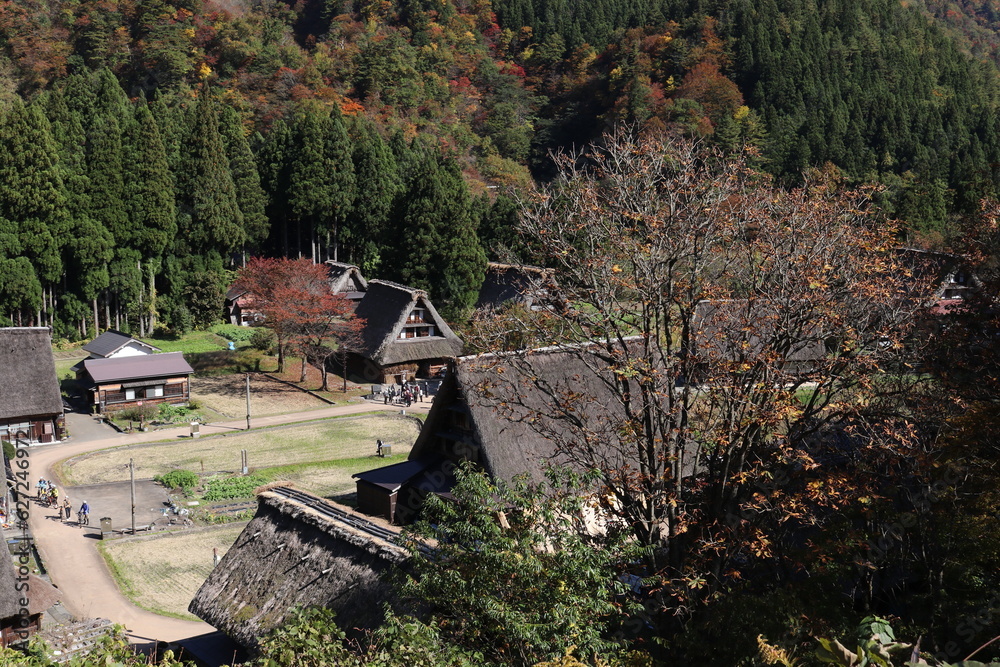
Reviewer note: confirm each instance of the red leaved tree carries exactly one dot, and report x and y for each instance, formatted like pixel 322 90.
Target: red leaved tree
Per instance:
pixel 295 299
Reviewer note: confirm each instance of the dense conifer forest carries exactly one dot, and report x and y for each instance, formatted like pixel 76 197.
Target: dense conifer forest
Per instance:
pixel 149 147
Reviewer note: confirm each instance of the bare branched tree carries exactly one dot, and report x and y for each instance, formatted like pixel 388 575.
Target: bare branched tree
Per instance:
pixel 731 324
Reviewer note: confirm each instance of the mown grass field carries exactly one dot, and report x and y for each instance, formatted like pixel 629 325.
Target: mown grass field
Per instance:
pixel 162 573
pixel 314 443
pixel 226 394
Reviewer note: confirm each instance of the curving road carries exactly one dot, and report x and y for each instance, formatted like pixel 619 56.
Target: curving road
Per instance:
pixel 70 553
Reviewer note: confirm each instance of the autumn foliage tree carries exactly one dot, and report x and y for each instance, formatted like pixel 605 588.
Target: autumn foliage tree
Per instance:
pixel 295 299
pixel 737 326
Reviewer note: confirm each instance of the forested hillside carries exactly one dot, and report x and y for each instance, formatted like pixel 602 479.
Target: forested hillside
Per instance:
pixel 149 146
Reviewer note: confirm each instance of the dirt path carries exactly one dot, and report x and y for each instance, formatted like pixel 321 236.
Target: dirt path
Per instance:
pixel 70 553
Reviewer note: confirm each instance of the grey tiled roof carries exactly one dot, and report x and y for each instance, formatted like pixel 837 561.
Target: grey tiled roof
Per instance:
pixel 133 368
pixel 110 342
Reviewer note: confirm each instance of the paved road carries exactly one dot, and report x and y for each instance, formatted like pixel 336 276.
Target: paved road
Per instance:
pixel 70 554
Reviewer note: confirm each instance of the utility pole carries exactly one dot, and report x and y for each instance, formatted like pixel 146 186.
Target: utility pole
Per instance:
pixel 248 401
pixel 131 471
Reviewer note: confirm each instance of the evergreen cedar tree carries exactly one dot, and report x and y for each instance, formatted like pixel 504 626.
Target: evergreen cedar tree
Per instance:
pixel 295 299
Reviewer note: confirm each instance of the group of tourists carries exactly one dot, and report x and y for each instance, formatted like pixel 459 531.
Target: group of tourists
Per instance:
pixel 407 395
pixel 48 493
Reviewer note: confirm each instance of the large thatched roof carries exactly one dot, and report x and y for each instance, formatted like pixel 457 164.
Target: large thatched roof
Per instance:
pixel 940 275
pixel 346 279
pixel 296 552
pixel 31 386
pixel 524 412
pixel 529 286
pixel 385 309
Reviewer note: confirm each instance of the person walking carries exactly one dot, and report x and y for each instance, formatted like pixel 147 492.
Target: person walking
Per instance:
pixel 66 508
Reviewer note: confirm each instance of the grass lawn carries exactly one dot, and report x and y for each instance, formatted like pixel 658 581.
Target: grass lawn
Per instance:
pixel 226 394
pixel 63 366
pixel 330 478
pixel 196 341
pixel 162 573
pixel 328 440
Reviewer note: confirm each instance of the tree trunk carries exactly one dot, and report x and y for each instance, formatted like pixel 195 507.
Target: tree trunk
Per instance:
pixel 96 325
pixel 152 301
pixel 302 376
pixel 284 233
pixel 142 320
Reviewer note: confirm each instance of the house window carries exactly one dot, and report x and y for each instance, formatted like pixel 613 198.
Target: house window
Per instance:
pixel 130 394
pixel 155 392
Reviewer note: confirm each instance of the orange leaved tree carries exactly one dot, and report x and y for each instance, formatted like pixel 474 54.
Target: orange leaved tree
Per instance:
pixel 295 299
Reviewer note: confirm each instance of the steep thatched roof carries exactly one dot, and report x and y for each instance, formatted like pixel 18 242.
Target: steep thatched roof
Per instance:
pixel 942 275
pixel 522 413
pixel 294 553
pixel 30 386
pixel 530 286
pixel 385 309
pixel 346 279
pixel 40 594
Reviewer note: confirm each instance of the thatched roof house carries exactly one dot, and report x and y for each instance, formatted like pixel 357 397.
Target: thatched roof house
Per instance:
pixel 23 600
pixel 512 416
pixel 346 279
pixel 948 278
pixel 30 400
pixel 529 286
pixel 404 336
pixel 298 551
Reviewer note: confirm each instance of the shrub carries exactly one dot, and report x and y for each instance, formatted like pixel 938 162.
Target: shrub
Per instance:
pixel 235 333
pixel 138 413
pixel 230 488
pixel 178 479
pixel 262 339
pixel 169 412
